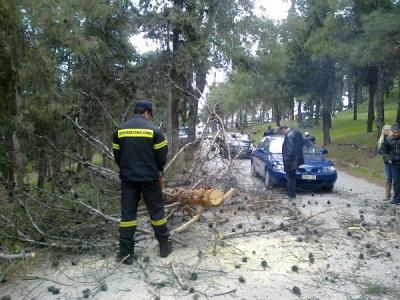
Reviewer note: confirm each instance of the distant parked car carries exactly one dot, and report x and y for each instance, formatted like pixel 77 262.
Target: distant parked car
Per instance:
pixel 239 145
pixel 267 162
pixel 183 135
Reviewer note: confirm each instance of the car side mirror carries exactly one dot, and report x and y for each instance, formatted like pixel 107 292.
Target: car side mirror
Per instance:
pixel 324 151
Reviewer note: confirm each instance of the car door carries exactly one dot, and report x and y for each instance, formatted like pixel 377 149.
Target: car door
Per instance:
pixel 265 156
pixel 261 156
pixel 257 157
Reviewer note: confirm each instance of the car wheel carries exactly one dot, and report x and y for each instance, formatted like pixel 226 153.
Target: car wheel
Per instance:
pixel 267 180
pixel 253 170
pixel 328 188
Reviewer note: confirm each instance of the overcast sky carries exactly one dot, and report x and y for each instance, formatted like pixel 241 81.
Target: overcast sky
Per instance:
pixel 273 9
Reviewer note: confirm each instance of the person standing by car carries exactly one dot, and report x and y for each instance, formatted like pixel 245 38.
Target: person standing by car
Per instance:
pixel 388 174
pixel 390 150
pixel 140 151
pixel 292 154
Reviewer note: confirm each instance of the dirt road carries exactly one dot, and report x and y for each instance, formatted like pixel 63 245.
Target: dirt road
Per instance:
pixel 339 245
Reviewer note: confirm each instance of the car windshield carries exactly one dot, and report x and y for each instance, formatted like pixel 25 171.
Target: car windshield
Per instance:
pixel 310 148
pixel 276 147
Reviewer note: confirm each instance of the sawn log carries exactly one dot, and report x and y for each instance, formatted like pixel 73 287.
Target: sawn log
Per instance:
pixel 201 197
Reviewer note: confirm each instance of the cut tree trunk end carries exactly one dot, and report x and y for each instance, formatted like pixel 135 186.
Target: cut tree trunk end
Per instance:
pixel 202 197
pixel 215 197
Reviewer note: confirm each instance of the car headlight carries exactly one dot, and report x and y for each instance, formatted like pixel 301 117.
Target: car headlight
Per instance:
pixel 278 168
pixel 328 169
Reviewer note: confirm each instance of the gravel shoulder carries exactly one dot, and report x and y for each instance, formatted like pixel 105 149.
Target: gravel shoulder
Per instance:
pixel 338 245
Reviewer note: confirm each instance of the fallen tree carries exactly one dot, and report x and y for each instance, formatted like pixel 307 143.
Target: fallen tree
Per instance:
pixel 84 212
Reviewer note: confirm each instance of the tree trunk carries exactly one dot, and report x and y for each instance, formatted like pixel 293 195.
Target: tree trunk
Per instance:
pixel 371 114
pixel 192 117
pixel 173 107
pixel 398 105
pixel 372 78
pixel 173 118
pixel 277 115
pixel 299 114
pixel 292 110
pixel 329 97
pixel 17 153
pixel 350 94
pixel 356 89
pixel 378 99
pixel 339 95
pixel 17 157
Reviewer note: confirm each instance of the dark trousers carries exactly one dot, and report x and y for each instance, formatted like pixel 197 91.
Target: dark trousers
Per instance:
pixel 395 170
pixel 291 183
pixel 130 197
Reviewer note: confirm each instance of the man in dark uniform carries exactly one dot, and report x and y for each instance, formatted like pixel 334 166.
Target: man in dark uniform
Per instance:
pixel 292 153
pixel 140 151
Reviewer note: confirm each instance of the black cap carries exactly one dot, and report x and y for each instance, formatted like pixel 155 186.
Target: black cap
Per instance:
pixel 144 105
pixel 395 127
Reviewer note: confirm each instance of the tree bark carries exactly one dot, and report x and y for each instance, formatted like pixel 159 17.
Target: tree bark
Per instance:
pixel 372 78
pixel 378 99
pixel 292 110
pixel 277 115
pixel 371 114
pixel 173 107
pixel 398 106
pixel 17 153
pixel 329 97
pixel 326 120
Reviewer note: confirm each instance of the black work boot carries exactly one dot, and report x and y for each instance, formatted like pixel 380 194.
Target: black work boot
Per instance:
pixel 165 246
pixel 126 245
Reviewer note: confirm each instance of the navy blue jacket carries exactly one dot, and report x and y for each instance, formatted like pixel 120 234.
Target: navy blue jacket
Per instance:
pixel 292 150
pixel 140 150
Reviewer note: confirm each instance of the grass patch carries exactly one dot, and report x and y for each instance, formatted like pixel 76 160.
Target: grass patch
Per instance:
pixel 374 289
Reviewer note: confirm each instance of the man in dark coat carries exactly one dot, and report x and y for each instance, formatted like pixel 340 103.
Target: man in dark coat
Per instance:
pixel 292 152
pixel 390 150
pixel 140 151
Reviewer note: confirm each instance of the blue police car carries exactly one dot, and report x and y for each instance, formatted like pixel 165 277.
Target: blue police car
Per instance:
pixel 316 172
